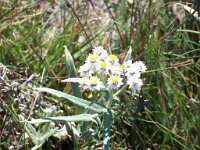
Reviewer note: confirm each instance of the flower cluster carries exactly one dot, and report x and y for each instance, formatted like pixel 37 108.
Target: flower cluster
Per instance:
pixel 102 71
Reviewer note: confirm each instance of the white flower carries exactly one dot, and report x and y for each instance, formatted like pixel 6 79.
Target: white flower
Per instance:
pixel 101 52
pixel 127 65
pixel 103 68
pixel 95 83
pixel 84 83
pixel 112 61
pixel 85 70
pixel 104 71
pixel 133 71
pixel 134 83
pixel 93 61
pixel 141 66
pixel 118 70
pixel 114 82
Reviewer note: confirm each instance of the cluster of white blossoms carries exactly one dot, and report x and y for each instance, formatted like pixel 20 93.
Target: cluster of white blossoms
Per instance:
pixel 103 71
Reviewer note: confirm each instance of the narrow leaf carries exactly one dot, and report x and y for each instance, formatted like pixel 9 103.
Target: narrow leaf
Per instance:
pixel 128 55
pixel 32 133
pixel 78 101
pixel 71 80
pixel 72 73
pixel 107 120
pixel 74 118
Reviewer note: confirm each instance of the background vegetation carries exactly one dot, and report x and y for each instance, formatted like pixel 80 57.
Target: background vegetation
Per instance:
pixel 161 33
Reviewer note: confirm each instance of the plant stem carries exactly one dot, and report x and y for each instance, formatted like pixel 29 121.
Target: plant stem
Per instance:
pixel 121 90
pixel 110 99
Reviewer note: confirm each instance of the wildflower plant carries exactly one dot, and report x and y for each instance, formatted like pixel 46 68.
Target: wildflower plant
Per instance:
pixel 101 73
pixel 100 67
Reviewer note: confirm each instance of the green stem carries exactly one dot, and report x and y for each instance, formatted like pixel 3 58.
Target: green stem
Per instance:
pixel 121 90
pixel 110 99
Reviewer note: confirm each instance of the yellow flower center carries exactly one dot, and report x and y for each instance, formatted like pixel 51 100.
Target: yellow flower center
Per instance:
pixel 112 57
pixel 93 58
pixel 102 64
pixel 114 79
pixel 93 79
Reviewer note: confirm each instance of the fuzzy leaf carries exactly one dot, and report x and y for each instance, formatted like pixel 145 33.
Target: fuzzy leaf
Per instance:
pixel 71 80
pixel 72 73
pixel 32 133
pixel 128 55
pixel 78 101
pixel 74 118
pixel 107 121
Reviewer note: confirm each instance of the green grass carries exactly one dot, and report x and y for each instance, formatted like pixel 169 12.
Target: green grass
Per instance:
pixel 31 42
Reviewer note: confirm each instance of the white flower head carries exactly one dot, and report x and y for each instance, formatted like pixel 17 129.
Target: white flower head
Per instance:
pixel 118 70
pixel 84 83
pixel 134 83
pixel 93 61
pixel 127 65
pixel 85 70
pixel 112 61
pixel 95 83
pixel 103 68
pixel 133 71
pixel 101 52
pixel 141 66
pixel 114 82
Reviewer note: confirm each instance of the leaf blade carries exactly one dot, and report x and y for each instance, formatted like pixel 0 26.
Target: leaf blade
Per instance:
pixel 78 101
pixel 73 118
pixel 72 72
